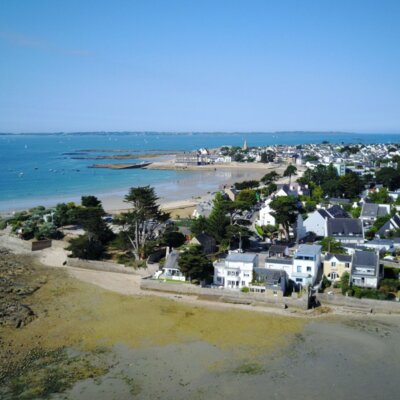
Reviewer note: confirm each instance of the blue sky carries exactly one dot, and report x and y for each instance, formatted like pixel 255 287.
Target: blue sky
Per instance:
pixel 199 65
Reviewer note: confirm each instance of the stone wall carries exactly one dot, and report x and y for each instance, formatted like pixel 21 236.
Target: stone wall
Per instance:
pixel 99 266
pixel 41 244
pixel 366 305
pixel 223 295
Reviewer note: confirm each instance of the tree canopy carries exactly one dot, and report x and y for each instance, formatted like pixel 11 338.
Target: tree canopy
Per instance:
pixel 144 219
pixel 194 264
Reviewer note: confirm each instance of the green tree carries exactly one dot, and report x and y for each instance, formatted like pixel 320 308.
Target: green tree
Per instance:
pixel 317 193
pixel 247 197
pixel 238 234
pixel 246 185
pixel 144 219
pixel 92 222
pixel 64 214
pixel 389 177
pixel 351 185
pixel 332 188
pixel 199 225
pixel 90 201
pixel 331 245
pixel 290 171
pixel 270 177
pixel 356 212
pixel 172 237
pixel 86 248
pixel 345 282
pixel 381 196
pixel 285 212
pixel 218 221
pixel 194 264
pixel 271 188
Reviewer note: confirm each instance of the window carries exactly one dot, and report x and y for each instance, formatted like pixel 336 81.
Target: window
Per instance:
pixel 333 264
pixel 299 280
pixel 347 265
pixel 298 268
pixel 334 275
pixel 308 269
pixel 243 283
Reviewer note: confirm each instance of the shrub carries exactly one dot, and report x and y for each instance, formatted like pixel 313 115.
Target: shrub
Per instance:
pixel 3 223
pixel 85 248
pixel 245 289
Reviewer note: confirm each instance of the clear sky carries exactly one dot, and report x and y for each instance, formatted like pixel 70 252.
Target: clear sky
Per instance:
pixel 199 65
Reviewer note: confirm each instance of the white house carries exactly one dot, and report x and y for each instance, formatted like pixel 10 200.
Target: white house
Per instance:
pixel 236 271
pixel 366 271
pixel 306 264
pixel 303 267
pixel 316 222
pixel 266 215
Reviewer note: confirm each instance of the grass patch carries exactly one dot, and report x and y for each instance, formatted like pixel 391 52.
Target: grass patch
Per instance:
pixel 250 368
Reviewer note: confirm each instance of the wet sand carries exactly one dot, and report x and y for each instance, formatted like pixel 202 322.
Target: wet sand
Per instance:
pixel 143 347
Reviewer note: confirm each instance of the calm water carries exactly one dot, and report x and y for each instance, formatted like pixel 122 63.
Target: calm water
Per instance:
pixel 33 168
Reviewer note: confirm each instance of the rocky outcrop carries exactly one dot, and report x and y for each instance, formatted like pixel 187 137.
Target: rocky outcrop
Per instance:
pixel 17 283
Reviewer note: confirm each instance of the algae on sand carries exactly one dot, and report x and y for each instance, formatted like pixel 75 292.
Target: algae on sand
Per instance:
pixel 73 314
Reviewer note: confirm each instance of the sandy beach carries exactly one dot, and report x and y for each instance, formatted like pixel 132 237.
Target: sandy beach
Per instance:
pixel 200 183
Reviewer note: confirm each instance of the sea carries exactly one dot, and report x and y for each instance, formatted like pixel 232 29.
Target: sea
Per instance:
pixel 49 168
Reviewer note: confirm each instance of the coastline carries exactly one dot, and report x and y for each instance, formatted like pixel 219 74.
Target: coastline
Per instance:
pixel 178 194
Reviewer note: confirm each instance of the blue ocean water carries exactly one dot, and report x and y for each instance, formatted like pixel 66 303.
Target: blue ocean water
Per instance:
pixel 34 170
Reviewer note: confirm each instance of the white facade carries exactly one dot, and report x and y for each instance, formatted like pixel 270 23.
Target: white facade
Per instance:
pixel 303 268
pixel 236 271
pixel 306 264
pixel 266 215
pixel 315 223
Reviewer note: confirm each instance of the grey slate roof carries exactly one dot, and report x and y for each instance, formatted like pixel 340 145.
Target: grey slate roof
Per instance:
pixel 324 213
pixel 271 276
pixel 365 259
pixel 335 200
pixel 308 249
pixel 339 257
pixel 172 259
pixel 241 257
pixel 277 248
pixel 369 210
pixel 345 227
pixel 283 261
pixel 372 210
pixel 338 212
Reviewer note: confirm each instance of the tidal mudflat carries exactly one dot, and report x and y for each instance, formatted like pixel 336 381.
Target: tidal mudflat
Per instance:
pixel 86 342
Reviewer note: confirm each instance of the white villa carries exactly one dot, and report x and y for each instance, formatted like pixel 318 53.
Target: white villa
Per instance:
pixel 303 268
pixel 235 271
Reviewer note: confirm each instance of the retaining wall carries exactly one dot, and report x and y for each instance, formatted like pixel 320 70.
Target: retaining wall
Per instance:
pixel 223 295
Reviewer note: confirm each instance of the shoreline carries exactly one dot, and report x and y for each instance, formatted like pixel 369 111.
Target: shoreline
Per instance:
pixel 181 193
